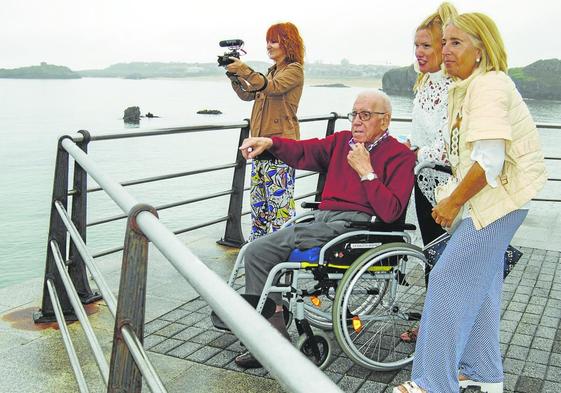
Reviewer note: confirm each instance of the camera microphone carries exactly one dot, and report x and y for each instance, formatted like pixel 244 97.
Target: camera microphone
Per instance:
pixel 230 43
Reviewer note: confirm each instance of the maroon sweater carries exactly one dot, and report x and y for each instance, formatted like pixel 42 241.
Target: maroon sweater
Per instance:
pixel 385 197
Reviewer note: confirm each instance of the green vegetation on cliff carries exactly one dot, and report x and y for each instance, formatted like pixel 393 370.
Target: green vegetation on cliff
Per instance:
pixel 42 71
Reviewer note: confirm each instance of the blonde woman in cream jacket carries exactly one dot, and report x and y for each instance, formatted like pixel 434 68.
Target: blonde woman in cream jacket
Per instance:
pixel 495 153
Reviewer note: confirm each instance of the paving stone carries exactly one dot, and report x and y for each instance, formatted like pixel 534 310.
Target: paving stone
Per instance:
pixel 522 340
pixel 340 365
pixel 505 337
pixel 508 326
pixel 152 340
pixel 551 387
pixel 528 385
pixel 551 322
pixel 510 381
pixel 174 315
pixel 205 323
pixel 514 366
pixel 535 370
pixel 359 372
pixel 522 289
pixel 203 354
pixel 553 374
pixel 206 337
pixel 171 330
pixel 350 384
pixel 191 319
pixel 223 341
pixel 515 306
pixel 512 315
pixel 154 325
pixel 383 376
pixel 522 298
pixel 540 300
pixel 188 333
pixel 222 358
pixel 535 309
pixel 166 345
pixel 546 332
pixel 542 343
pixel 194 304
pixel 526 328
pixel 372 387
pixel 530 319
pixel 184 350
pixel 335 377
pixel 538 356
pixel 517 352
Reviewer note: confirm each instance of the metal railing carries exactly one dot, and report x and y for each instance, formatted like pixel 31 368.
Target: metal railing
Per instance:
pixel 66 285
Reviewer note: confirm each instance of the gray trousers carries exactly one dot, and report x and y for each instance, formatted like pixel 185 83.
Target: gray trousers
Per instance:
pixel 266 252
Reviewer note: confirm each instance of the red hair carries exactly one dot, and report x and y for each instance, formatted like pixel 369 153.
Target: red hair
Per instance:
pixel 288 37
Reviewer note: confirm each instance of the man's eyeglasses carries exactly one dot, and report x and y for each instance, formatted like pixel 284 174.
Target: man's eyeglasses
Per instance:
pixel 363 116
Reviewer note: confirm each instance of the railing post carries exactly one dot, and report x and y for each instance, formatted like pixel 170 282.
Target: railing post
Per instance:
pixel 57 232
pixel 233 235
pixel 124 375
pixel 77 267
pixel 329 130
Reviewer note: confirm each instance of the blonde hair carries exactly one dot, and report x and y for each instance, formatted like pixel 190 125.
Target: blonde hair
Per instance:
pixel 485 36
pixel 434 24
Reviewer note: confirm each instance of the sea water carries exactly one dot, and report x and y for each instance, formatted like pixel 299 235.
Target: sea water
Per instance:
pixel 35 113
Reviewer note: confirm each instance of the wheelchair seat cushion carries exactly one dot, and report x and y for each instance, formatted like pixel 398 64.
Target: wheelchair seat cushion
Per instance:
pixel 309 255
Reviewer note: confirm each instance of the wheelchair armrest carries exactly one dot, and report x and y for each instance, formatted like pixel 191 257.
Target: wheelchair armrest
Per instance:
pixel 433 165
pixel 381 226
pixel 310 205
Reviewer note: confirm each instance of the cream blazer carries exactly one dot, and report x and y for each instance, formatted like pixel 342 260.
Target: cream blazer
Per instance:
pixel 490 107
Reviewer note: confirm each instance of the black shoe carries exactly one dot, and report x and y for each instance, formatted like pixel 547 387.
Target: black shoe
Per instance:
pixel 246 360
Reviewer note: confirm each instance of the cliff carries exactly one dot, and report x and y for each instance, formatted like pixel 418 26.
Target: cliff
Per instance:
pixel 399 81
pixel 539 80
pixel 42 71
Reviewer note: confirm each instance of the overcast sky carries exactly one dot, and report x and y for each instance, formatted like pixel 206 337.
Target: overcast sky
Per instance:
pixel 97 33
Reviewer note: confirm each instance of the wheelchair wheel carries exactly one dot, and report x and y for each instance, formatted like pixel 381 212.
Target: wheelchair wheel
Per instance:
pixel 306 344
pixel 391 276
pixel 321 316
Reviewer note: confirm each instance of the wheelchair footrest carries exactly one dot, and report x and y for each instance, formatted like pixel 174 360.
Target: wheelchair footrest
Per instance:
pixel 267 312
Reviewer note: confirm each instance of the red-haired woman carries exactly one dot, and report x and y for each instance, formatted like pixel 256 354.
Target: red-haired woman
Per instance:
pixel 276 97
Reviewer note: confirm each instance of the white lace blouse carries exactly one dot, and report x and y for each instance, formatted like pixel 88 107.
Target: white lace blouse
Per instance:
pixel 429 129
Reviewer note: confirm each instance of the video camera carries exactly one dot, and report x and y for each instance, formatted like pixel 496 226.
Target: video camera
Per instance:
pixel 235 47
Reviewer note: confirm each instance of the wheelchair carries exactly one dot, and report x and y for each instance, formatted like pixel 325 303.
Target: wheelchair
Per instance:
pixel 367 285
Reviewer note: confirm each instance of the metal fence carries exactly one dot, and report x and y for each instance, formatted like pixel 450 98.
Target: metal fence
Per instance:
pixel 66 286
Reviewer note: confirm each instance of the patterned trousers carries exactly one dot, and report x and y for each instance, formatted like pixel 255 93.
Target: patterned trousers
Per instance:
pixel 459 328
pixel 271 196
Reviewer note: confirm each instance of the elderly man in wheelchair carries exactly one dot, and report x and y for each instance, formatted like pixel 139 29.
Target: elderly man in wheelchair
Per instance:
pixel 347 266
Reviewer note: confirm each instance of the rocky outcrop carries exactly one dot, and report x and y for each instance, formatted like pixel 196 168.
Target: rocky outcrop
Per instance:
pixel 42 71
pixel 399 81
pixel 209 112
pixel 132 115
pixel 539 80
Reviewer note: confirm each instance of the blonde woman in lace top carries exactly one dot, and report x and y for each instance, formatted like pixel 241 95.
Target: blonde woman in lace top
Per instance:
pixel 430 116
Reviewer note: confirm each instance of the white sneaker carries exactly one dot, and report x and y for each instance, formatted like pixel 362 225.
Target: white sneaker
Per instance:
pixel 486 387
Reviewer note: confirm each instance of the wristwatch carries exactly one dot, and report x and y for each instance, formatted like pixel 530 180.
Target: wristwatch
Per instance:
pixel 368 177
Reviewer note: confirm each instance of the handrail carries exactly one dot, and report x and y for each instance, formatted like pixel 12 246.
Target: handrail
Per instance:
pixel 292 369
pixel 74 362
pixel 81 313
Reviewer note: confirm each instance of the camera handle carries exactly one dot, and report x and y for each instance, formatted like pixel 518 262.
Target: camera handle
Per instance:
pixel 234 78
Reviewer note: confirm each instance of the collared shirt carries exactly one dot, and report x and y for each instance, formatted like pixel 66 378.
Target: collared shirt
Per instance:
pixel 370 145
